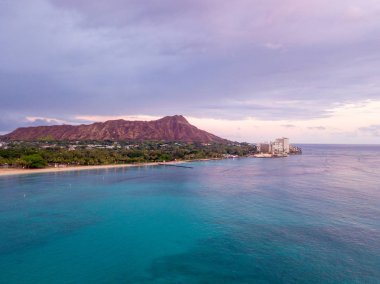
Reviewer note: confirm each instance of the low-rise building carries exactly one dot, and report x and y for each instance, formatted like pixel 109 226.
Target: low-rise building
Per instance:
pixel 264 148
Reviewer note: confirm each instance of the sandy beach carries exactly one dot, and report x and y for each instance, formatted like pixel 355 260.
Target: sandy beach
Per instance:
pixel 19 171
pixel 16 171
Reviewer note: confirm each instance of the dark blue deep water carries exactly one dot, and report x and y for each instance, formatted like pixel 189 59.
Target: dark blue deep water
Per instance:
pixel 313 218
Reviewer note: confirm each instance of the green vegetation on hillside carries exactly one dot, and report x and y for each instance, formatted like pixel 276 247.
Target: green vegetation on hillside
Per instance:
pixel 40 154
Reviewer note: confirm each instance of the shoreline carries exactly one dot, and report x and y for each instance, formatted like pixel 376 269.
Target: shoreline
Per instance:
pixel 18 171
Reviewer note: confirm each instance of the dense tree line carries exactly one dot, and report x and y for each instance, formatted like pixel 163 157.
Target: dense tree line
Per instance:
pixel 41 154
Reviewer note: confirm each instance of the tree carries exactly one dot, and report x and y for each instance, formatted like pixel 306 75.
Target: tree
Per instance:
pixel 34 161
pixel 2 161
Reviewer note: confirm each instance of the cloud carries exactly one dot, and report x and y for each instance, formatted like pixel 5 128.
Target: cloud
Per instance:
pixel 200 58
pixel 355 13
pixel 288 125
pixel 316 128
pixel 273 46
pixel 373 130
pixel 44 120
pixel 101 118
pixel 9 123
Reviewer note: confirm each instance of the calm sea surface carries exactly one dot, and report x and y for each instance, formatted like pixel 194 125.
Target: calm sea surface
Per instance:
pixel 313 218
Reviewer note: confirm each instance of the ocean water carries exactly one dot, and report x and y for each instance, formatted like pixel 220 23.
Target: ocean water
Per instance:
pixel 313 218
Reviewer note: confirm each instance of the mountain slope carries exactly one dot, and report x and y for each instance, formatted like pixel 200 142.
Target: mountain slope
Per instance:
pixel 169 128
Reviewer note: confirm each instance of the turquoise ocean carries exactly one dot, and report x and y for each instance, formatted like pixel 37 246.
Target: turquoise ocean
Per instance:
pixel 312 218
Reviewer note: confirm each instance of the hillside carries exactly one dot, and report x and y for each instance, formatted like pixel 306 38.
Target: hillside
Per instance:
pixel 169 128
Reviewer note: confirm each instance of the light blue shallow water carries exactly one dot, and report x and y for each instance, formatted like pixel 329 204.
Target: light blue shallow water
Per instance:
pixel 313 218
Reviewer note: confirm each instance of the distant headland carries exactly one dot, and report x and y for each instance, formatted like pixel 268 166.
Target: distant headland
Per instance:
pixel 121 142
pixel 168 128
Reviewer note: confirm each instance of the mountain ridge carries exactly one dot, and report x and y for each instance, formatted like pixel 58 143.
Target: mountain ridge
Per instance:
pixel 168 128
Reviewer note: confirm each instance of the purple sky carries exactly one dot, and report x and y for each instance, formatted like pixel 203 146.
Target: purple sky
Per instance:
pixel 294 65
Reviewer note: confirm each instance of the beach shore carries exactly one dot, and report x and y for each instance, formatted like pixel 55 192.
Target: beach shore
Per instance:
pixel 17 171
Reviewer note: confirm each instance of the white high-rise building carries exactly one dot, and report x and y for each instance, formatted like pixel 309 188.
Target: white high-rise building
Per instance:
pixel 281 146
pixel 285 143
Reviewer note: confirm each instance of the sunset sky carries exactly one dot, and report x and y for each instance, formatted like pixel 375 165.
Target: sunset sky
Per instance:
pixel 246 70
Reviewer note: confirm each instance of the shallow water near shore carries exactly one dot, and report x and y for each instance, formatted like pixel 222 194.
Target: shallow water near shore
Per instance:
pixel 313 218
